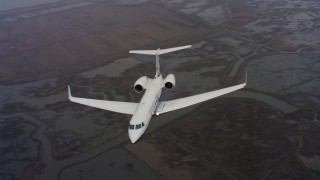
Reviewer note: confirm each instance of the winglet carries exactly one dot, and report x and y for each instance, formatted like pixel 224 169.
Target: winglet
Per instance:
pixel 69 93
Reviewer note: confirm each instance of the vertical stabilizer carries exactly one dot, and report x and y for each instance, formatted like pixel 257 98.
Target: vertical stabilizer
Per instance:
pixel 157 64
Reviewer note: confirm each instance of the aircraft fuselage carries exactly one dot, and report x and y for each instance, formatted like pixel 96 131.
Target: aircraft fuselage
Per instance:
pixel 147 107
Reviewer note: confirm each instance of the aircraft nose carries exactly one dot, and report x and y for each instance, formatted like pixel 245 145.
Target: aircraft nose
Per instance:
pixel 134 136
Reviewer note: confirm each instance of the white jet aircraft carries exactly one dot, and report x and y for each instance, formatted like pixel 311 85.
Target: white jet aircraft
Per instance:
pixel 150 104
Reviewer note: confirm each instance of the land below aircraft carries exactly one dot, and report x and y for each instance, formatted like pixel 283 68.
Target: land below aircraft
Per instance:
pixel 150 103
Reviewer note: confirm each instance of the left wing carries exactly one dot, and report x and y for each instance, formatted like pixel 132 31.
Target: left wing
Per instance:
pixel 166 106
pixel 115 106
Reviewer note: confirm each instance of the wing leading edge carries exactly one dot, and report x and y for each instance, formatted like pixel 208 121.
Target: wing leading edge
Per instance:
pixel 115 106
pixel 172 105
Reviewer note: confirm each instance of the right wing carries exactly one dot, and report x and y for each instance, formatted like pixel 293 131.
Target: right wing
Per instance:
pixel 166 106
pixel 115 106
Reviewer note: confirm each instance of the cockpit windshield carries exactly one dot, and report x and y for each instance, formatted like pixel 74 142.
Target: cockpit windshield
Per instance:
pixel 131 126
pixel 137 126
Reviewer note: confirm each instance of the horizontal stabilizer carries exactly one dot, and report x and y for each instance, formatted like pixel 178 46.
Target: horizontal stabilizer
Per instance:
pixel 158 51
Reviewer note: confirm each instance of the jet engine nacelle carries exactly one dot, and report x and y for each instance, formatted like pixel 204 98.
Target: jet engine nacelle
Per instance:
pixel 169 82
pixel 141 84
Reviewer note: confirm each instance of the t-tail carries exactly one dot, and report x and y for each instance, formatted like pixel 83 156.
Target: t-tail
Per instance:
pixel 157 53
